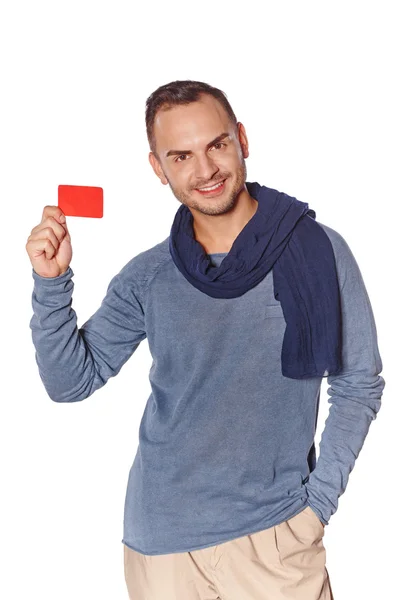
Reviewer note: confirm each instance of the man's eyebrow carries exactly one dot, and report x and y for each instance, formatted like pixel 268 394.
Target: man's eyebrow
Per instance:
pixel 215 141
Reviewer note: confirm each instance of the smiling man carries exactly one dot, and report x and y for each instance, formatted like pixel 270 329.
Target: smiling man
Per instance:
pixel 206 172
pixel 246 306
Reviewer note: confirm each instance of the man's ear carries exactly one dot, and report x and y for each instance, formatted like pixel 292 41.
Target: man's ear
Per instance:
pixel 157 168
pixel 244 144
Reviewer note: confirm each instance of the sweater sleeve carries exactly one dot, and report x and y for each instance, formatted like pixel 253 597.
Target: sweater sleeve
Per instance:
pixel 73 363
pixel 354 394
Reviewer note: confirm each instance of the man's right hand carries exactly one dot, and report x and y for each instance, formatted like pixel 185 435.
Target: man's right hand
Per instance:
pixel 49 244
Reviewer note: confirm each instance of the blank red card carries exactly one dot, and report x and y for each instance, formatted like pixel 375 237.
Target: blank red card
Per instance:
pixel 81 200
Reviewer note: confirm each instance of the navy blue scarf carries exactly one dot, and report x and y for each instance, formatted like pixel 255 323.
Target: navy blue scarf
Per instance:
pixel 284 236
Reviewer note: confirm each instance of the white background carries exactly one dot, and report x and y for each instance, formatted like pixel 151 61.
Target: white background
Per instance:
pixel 315 85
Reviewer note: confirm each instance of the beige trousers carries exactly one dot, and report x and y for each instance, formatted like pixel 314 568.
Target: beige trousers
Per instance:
pixel 284 562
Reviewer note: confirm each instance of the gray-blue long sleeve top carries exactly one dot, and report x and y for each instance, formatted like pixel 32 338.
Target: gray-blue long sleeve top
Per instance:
pixel 226 442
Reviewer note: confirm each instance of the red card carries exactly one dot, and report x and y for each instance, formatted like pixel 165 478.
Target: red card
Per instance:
pixel 81 200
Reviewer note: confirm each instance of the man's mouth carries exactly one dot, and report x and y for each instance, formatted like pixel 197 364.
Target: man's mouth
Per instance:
pixel 212 189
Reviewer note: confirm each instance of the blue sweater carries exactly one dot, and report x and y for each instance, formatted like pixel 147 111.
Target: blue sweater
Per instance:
pixel 226 443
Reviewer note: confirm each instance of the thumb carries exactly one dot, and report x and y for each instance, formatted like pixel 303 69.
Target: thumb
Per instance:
pixel 67 236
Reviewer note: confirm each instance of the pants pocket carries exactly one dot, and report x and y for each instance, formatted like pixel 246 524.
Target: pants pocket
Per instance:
pixel 309 511
pixel 300 538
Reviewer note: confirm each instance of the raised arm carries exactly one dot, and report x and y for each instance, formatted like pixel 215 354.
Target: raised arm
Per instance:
pixel 73 363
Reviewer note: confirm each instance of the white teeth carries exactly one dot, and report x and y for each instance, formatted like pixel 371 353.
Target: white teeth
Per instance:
pixel 211 188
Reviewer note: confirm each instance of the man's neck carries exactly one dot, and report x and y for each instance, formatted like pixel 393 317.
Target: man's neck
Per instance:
pixel 216 233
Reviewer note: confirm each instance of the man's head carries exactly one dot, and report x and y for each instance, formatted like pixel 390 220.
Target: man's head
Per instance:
pixel 196 142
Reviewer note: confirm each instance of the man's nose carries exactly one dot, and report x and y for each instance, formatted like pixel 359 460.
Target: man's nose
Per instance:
pixel 205 169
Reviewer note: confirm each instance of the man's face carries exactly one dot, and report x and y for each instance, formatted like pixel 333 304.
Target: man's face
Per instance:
pixel 198 146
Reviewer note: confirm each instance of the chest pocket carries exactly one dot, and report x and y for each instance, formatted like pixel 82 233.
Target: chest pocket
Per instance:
pixel 273 311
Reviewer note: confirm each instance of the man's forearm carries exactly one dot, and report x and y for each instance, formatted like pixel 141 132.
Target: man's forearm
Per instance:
pixel 65 367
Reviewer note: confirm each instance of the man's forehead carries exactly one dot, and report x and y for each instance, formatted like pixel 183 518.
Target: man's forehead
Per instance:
pixel 206 107
pixel 193 124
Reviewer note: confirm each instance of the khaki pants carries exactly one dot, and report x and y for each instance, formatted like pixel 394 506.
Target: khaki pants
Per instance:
pixel 284 562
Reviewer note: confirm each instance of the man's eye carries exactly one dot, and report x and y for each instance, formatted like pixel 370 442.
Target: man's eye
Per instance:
pixel 215 146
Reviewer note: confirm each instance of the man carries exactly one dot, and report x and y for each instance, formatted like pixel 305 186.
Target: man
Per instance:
pixel 246 306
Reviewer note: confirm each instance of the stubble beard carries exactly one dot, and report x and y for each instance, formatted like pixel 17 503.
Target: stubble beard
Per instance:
pixel 214 206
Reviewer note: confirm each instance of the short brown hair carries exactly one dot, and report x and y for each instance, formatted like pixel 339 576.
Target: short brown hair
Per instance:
pixel 176 93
